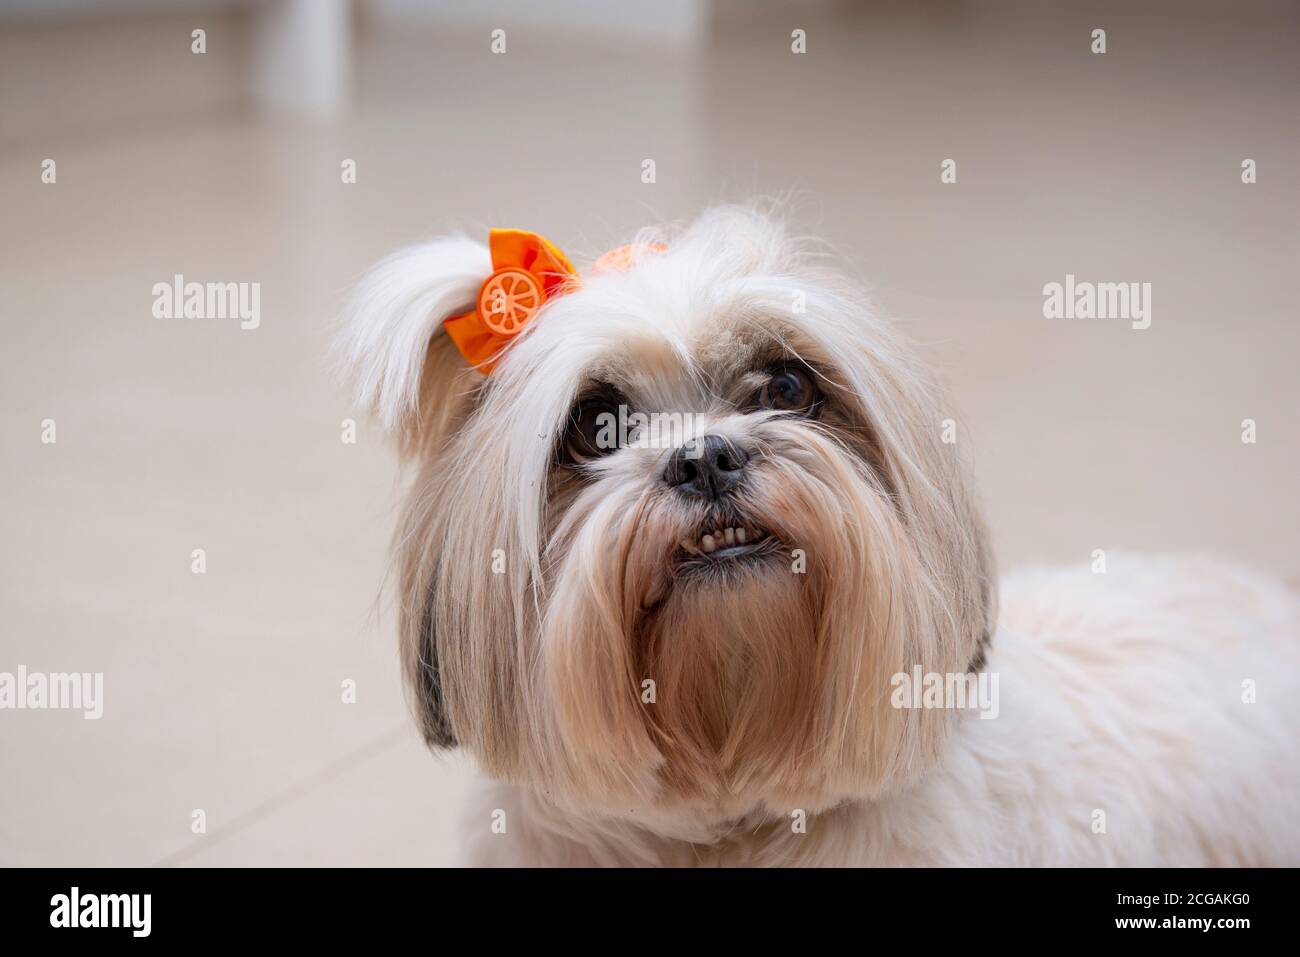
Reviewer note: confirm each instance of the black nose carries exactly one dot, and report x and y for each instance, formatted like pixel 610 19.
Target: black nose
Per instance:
pixel 707 467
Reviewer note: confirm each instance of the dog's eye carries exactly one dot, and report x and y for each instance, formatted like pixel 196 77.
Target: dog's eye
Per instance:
pixel 790 389
pixel 593 430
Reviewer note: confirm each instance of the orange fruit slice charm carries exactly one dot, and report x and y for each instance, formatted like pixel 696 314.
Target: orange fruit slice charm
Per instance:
pixel 509 300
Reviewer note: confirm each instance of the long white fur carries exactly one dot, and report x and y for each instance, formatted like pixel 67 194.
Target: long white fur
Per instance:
pixel 396 311
pixel 1120 693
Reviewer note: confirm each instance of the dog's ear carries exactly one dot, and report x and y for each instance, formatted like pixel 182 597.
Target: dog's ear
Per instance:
pixel 403 365
pixel 410 374
pixel 425 681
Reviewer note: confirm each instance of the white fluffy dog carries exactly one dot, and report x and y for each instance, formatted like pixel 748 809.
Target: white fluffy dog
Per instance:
pixel 748 638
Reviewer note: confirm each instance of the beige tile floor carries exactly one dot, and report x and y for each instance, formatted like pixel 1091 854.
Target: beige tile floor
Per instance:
pixel 223 690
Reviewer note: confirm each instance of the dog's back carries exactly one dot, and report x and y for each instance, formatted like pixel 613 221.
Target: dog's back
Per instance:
pixel 1147 717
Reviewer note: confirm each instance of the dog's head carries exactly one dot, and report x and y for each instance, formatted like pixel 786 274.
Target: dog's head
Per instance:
pixel 667 556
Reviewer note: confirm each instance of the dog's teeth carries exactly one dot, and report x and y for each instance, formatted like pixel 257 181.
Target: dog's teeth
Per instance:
pixel 731 536
pixel 707 544
pixel 690 547
pixel 742 536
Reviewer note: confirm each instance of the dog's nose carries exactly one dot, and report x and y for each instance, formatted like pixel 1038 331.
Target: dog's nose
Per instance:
pixel 706 468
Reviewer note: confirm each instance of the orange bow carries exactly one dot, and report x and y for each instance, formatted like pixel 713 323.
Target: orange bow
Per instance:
pixel 527 270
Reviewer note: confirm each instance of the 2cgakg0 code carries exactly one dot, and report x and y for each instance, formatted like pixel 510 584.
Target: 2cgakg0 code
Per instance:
pixel 1208 899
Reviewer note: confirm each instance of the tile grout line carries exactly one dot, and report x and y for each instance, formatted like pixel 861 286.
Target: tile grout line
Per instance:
pixel 355 758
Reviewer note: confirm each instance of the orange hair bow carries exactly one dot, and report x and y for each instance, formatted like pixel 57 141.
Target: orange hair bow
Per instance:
pixel 527 271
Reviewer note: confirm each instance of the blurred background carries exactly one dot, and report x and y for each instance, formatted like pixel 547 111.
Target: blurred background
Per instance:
pixel 224 691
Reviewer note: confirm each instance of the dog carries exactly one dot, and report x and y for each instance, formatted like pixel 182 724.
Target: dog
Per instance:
pixel 733 640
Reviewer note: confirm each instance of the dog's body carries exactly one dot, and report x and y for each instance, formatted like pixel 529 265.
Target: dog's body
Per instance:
pixel 1123 739
pixel 689 651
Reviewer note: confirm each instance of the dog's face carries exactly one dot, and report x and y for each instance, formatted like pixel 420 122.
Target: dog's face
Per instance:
pixel 665 559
